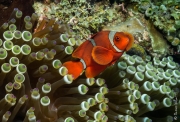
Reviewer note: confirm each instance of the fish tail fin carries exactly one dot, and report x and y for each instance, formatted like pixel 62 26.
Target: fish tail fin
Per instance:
pixel 74 67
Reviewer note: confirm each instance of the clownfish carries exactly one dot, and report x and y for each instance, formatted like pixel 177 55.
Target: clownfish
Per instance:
pixel 98 52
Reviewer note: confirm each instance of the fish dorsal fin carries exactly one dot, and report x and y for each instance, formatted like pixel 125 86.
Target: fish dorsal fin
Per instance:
pixel 102 55
pixel 93 35
pixel 131 41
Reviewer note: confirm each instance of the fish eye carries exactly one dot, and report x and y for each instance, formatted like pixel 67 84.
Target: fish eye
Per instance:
pixel 117 38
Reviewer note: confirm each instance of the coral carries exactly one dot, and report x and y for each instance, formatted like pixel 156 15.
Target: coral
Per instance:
pixel 36 87
pixel 84 17
pixel 164 15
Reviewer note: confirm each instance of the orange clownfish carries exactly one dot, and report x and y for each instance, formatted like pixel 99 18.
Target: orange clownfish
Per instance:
pixel 101 50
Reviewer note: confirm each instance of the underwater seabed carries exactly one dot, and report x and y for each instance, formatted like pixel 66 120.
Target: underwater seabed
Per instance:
pixel 34 86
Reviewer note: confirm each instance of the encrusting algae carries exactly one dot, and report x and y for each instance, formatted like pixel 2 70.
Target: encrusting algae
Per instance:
pixel 36 87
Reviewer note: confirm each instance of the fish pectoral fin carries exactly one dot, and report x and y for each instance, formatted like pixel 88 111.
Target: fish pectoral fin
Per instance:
pixel 102 55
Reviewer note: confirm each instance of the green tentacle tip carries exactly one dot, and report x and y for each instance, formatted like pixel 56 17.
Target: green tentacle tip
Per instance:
pixel 83 89
pixel 19 14
pixel 69 50
pixel 27 19
pixel 69 119
pixel 6 67
pixel 45 101
pixel 16 49
pixel 21 68
pixel 26 49
pixel 56 64
pixel 12 20
pixel 28 25
pixel 14 61
pixel 4 25
pixel 71 41
pixel 3 53
pixel 36 41
pixel 17 34
pixel 19 78
pixel 39 55
pixel 8 45
pixel 46 88
pixel 82 113
pixel 64 38
pixel 85 105
pixel 98 115
pixel 8 35
pixel 44 41
pixel 12 27
pixel 26 36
